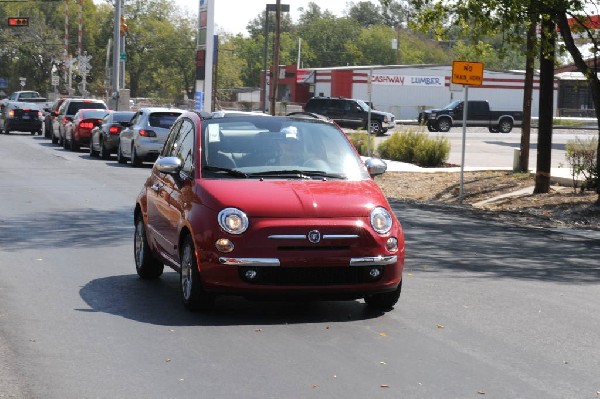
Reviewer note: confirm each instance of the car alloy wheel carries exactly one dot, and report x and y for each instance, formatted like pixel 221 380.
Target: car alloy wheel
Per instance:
pixel 193 295
pixel 146 265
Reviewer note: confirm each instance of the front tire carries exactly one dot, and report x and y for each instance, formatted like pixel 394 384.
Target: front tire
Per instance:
pixel 444 124
pixel 384 301
pixel 93 153
pixel 375 128
pixel 146 265
pixel 193 295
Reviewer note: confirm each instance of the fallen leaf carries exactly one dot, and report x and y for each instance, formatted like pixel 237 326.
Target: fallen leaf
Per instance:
pixel 382 363
pixel 481 392
pixel 382 334
pixel 258 330
pixel 440 326
pixel 315 386
pixel 167 360
pixel 384 386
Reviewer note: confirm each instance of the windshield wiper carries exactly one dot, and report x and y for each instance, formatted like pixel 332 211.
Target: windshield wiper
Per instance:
pixel 300 174
pixel 231 172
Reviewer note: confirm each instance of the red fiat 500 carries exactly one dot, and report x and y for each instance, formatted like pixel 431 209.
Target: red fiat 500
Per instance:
pixel 258 205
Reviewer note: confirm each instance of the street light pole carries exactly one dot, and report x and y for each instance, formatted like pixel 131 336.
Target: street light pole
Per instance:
pixel 116 76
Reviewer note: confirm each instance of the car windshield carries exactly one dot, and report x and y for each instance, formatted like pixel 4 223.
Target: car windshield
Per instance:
pixel 363 105
pixel 277 147
pixel 122 116
pixel 452 105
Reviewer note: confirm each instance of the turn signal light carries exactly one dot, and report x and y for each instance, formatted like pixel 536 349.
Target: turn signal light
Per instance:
pixel 147 133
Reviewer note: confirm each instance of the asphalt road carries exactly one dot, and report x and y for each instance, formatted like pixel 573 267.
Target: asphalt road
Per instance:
pixel 487 310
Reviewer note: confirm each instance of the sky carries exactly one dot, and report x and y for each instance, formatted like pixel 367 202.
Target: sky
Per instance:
pixel 232 16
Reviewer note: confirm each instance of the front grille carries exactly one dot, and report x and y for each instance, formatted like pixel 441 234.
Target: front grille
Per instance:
pixel 314 276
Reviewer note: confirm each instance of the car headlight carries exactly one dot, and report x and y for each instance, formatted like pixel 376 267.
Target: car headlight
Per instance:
pixel 381 220
pixel 233 220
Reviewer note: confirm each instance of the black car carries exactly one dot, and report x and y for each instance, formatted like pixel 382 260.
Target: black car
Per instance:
pixel 22 117
pixel 351 113
pixel 105 136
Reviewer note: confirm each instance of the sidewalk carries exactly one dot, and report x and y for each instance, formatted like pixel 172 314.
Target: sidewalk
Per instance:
pixel 560 176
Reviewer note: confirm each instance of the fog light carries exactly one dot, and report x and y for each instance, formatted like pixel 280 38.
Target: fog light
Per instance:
pixel 375 272
pixel 224 245
pixel 250 274
pixel 392 244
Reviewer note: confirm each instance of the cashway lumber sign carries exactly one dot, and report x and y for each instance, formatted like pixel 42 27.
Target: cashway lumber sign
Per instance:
pixel 467 73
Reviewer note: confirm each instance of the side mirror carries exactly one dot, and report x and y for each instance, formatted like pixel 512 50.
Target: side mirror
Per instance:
pixel 168 165
pixel 375 166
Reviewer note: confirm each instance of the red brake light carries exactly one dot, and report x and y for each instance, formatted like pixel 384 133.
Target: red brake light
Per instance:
pixel 147 133
pixel 86 125
pixel 114 130
pixel 11 113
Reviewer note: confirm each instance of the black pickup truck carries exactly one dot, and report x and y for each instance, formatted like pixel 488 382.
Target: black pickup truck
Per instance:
pixel 479 114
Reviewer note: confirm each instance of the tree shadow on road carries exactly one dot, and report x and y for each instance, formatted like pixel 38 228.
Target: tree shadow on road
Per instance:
pixel 461 241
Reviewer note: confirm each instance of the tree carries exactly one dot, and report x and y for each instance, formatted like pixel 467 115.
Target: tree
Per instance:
pixel 478 18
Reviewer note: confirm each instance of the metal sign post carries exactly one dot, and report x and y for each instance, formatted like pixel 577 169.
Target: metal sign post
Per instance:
pixel 467 74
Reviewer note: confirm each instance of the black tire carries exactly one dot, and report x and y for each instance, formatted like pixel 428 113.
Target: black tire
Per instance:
pixel 444 124
pixel 146 265
pixel 7 129
pixel 193 295
pixel 385 300
pixel 47 131
pixel 120 157
pixel 505 126
pixel 375 128
pixel 54 139
pixel 134 160
pixel 32 133
pixel 93 153
pixel 104 153
pixel 74 145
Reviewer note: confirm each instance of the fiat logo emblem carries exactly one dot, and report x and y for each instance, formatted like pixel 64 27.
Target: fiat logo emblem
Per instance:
pixel 314 236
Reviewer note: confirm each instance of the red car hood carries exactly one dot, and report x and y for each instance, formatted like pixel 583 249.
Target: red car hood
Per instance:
pixel 293 198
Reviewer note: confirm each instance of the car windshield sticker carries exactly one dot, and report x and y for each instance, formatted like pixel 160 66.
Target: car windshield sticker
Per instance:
pixel 213 133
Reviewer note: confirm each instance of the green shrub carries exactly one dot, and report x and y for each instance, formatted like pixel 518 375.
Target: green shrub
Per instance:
pixel 415 147
pixel 359 140
pixel 581 155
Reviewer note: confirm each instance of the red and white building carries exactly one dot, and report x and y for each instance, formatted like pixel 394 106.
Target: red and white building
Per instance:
pixel 404 90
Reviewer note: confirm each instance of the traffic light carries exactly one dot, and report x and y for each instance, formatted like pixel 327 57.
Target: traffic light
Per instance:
pixel 18 21
pixel 123 27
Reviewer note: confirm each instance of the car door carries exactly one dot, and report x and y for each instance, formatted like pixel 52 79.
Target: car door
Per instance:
pixel 126 135
pixel 163 217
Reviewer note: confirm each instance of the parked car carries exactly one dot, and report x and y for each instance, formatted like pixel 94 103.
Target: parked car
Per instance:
pixel 65 114
pixel 79 131
pixel 143 140
pixel 351 113
pixel 267 206
pixel 22 117
pixel 479 114
pixel 105 135
pixel 50 115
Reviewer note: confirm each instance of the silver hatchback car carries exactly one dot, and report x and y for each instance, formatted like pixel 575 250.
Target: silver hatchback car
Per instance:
pixel 145 136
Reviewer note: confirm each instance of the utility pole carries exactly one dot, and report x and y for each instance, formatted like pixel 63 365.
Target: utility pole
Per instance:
pixel 276 44
pixel 116 54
